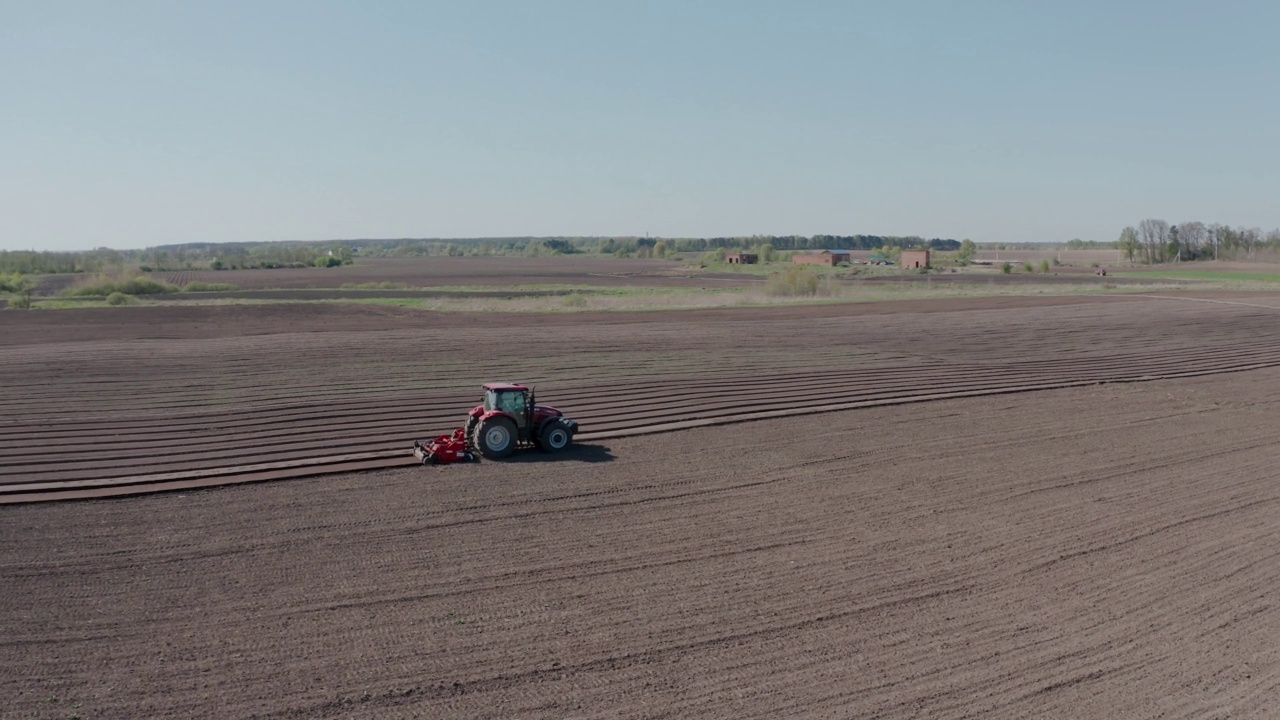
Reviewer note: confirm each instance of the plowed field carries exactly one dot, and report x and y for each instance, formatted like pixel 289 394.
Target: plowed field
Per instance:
pixel 936 542
pixel 153 408
pixel 1095 552
pixel 461 271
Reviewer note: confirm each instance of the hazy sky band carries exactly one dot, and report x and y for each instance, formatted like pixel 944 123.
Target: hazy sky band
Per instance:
pixel 135 124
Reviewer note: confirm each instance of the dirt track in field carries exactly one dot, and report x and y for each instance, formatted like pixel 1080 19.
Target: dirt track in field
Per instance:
pixel 97 417
pixel 1097 552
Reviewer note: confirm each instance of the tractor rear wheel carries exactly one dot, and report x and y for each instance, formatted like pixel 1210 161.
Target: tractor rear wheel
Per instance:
pixel 555 436
pixel 496 438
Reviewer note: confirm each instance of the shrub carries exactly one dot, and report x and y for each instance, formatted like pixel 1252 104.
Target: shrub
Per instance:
pixel 199 286
pixel 20 301
pixel 131 286
pixel 14 283
pixel 1027 267
pixel 766 252
pixel 1006 268
pixel 798 281
pixel 328 261
pixel 145 286
pixel 119 298
pixel 1044 266
pixel 575 300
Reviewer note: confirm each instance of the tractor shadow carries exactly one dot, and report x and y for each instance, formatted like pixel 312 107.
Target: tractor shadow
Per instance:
pixel 578 452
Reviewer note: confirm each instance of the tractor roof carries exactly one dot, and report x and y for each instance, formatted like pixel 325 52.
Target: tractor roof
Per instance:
pixel 504 386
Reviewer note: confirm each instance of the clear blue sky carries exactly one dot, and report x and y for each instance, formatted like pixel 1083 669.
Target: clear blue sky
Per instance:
pixel 127 124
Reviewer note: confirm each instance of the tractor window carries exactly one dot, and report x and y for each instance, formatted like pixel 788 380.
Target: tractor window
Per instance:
pixel 512 402
pixel 508 401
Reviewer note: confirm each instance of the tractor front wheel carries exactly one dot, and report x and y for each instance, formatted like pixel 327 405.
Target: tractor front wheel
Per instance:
pixel 554 437
pixel 496 438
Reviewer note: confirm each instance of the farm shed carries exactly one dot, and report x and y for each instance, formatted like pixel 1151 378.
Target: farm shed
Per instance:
pixel 914 259
pixel 824 257
pixel 742 258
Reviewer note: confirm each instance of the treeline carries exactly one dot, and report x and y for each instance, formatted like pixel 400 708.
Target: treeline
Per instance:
pixel 235 256
pixel 815 242
pixel 1156 241
pixel 32 262
pixel 296 254
pixel 178 257
pixel 457 247
pixel 1078 244
pixel 640 246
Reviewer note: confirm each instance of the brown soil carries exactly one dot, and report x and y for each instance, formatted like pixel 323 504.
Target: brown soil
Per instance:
pixel 1096 552
pixel 427 272
pixel 461 271
pixel 506 272
pixel 215 321
pixel 1102 550
pixel 144 399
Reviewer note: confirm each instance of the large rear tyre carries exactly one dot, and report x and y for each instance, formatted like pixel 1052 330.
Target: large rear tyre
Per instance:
pixel 496 438
pixel 555 436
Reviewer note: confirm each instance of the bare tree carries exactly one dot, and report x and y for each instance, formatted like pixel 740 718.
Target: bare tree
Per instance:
pixel 1250 239
pixel 1129 242
pixel 1273 240
pixel 1222 239
pixel 1192 236
pixel 1154 234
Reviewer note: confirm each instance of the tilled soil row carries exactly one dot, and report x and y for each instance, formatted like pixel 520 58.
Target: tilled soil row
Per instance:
pixel 273 424
pixel 1099 552
pixel 174 458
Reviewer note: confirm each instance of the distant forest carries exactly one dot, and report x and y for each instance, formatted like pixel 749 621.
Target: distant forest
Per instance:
pixel 1151 241
pixel 294 254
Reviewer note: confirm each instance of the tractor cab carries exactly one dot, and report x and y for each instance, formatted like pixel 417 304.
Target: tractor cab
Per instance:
pixel 514 400
pixel 509 418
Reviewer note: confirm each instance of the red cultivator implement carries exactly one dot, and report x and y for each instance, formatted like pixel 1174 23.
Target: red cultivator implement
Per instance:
pixel 444 449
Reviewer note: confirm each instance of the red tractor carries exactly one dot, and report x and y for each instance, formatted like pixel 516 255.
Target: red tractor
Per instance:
pixel 508 419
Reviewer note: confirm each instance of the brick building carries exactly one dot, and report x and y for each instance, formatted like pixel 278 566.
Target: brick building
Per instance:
pixel 914 259
pixel 824 257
